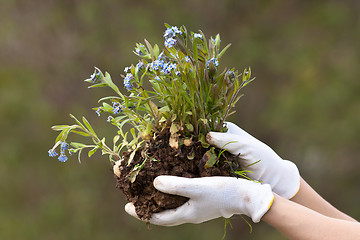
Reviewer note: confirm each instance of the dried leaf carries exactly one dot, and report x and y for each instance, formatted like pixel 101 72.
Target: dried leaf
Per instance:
pixel 188 142
pixel 174 141
pixel 174 128
pixel 210 158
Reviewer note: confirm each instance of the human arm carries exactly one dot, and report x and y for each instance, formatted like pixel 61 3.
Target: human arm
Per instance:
pixel 298 222
pixel 268 167
pixel 309 198
pixel 213 197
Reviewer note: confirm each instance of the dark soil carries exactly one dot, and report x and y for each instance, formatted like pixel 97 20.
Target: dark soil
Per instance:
pixel 169 161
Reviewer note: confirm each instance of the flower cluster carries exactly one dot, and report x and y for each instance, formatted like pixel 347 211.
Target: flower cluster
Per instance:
pixel 177 87
pixel 127 80
pixel 162 66
pixel 95 76
pixel 198 35
pixel 116 108
pixel 63 147
pixel 170 36
pixel 212 61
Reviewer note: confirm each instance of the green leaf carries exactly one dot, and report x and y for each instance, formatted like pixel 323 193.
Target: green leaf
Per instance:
pixel 109 82
pixel 174 128
pixel 223 51
pixel 109 97
pixel 247 82
pixel 98 85
pixel 203 141
pixel 132 131
pixel 87 124
pixel 189 127
pixel 81 133
pixel 63 135
pixel 116 138
pixel 106 107
pixel 204 39
pixel 59 127
pixel 150 49
pixel 78 122
pixel 136 171
pixel 209 158
pixel 78 145
pixel 79 155
pixel 92 151
pixel 156 50
pixel 195 49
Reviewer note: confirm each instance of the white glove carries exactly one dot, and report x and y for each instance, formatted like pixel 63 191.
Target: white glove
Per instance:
pixel 265 165
pixel 209 198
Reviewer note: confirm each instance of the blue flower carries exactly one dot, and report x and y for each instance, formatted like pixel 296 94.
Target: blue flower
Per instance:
pixel 52 153
pixel 64 146
pixel 168 67
pixel 157 65
pixel 187 59
pixel 214 61
pixel 127 80
pixel 171 32
pixel 140 65
pixel 62 158
pixel 116 108
pixel 95 76
pixel 178 73
pixel 231 74
pixel 170 42
pixel 138 51
pixel 109 119
pixel 198 35
pixel 157 78
pixel 127 69
pixel 98 111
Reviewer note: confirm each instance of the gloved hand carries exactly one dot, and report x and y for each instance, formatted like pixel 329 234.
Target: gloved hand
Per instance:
pixel 265 165
pixel 209 198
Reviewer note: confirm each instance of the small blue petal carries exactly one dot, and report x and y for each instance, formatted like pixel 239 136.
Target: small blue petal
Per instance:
pixel 64 145
pixel 140 65
pixel 170 42
pixel 198 35
pixel 98 111
pixel 127 69
pixel 62 158
pixel 127 83
pixel 52 153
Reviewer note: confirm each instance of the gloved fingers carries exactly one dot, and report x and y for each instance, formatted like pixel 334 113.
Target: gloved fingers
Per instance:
pixel 173 217
pixel 186 187
pixel 130 209
pixel 231 142
pixel 234 129
pixel 170 217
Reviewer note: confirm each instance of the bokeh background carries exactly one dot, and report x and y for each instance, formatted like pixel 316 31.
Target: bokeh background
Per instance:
pixel 305 103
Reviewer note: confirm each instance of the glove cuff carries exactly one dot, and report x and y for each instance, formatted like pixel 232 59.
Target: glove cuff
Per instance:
pixel 288 184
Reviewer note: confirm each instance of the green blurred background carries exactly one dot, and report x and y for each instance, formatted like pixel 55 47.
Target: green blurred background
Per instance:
pixel 305 103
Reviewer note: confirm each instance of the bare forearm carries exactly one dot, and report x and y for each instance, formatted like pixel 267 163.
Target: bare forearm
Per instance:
pixel 309 198
pixel 298 222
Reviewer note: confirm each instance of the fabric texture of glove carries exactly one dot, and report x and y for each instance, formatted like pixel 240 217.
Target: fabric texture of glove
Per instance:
pixel 265 165
pixel 209 198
